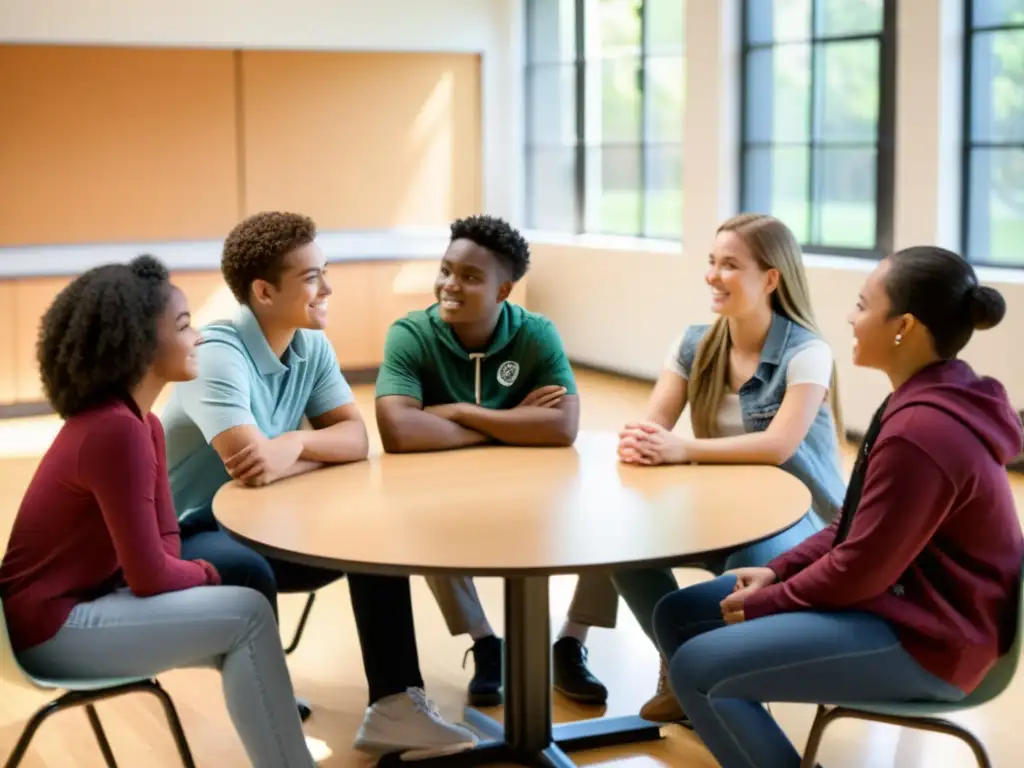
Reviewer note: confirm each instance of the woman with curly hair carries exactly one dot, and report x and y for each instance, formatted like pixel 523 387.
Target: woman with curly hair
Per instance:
pixel 93 584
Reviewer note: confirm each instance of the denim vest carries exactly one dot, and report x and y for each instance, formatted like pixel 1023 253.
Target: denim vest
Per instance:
pixel 816 461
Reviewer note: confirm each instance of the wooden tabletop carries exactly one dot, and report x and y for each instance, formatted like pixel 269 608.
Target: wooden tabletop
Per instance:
pixel 510 511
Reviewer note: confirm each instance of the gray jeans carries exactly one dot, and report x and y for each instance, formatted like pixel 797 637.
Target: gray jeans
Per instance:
pixel 231 629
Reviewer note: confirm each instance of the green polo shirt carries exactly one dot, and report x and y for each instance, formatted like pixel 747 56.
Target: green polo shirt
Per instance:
pixel 241 382
pixel 424 360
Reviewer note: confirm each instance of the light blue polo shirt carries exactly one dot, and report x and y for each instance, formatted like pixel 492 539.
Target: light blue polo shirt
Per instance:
pixel 241 382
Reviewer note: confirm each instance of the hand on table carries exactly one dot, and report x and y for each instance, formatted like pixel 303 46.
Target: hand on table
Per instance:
pixel 649 444
pixel 261 463
pixel 748 581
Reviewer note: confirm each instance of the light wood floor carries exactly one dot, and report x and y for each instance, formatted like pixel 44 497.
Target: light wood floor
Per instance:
pixel 326 668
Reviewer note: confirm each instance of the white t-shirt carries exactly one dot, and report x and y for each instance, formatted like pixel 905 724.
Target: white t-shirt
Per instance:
pixel 811 365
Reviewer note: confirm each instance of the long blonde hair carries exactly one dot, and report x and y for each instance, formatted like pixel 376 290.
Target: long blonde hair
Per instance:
pixel 774 247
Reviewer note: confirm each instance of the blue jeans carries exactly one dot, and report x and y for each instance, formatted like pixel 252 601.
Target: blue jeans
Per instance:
pixel 721 673
pixel 642 589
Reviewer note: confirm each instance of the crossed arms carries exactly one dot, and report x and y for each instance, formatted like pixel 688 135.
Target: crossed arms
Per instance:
pixel 337 437
pixel 546 417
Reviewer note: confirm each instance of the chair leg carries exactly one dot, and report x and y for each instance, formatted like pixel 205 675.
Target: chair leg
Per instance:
pixel 826 715
pixel 18 753
pixel 101 736
pixel 302 624
pixel 174 722
pixel 821 720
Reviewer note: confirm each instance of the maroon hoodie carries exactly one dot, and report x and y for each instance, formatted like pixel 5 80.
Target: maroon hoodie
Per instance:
pixel 935 547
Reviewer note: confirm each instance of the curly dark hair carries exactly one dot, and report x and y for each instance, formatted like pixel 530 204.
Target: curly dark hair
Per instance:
pixel 99 335
pixel 256 247
pixel 500 238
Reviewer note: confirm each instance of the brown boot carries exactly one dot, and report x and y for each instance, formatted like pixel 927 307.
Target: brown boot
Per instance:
pixel 663 707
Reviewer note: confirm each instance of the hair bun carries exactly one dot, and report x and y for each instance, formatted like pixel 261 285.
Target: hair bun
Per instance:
pixel 149 267
pixel 987 306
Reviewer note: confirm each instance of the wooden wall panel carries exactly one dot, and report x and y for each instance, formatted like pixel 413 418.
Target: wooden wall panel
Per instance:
pixel 351 317
pixel 8 344
pixel 362 140
pixel 31 299
pixel 116 144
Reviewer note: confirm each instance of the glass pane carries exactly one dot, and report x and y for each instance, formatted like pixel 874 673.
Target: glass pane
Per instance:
pixel 776 181
pixel 551 31
pixel 996 206
pixel 778 20
pixel 665 98
pixel 551 105
pixel 613 28
pixel 550 189
pixel 613 102
pixel 845 198
pixel 848 85
pixel 613 190
pixel 997 86
pixel 778 94
pixel 663 203
pixel 666 33
pixel 848 17
pixel 992 12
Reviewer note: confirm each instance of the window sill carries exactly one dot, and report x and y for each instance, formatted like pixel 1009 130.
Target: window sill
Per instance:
pixel 604 242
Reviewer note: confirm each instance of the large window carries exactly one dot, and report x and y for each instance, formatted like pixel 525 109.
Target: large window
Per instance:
pixel 605 89
pixel 993 189
pixel 819 120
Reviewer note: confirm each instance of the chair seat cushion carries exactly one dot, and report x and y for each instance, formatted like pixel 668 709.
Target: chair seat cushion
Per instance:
pixel 86 685
pixel 911 708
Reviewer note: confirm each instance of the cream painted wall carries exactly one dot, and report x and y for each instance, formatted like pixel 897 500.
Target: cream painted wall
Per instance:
pixel 620 304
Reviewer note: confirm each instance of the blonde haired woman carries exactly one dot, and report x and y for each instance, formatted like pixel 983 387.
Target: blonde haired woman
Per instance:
pixel 761 385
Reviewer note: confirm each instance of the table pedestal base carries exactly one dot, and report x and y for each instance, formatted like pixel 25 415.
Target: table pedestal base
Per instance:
pixel 528 736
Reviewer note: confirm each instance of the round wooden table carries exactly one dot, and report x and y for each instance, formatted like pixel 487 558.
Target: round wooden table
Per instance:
pixel 523 514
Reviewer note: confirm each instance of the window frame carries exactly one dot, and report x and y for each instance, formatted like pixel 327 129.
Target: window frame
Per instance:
pixel 885 141
pixel 580 147
pixel 968 143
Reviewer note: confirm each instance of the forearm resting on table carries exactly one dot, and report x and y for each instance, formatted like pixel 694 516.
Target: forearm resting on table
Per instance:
pixel 339 443
pixel 526 425
pixel 753 448
pixel 408 429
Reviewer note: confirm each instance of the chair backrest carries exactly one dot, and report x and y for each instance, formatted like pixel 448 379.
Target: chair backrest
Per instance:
pixel 1001 675
pixel 11 672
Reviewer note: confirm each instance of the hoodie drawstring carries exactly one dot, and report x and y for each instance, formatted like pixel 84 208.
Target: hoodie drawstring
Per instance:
pixel 478 356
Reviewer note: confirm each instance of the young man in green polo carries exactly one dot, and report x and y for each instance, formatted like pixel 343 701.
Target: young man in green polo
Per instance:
pixel 474 369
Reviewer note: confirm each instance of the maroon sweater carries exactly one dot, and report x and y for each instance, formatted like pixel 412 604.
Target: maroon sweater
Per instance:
pixel 97 515
pixel 935 546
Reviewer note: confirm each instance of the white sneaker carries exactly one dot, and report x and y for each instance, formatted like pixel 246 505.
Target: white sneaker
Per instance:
pixel 410 723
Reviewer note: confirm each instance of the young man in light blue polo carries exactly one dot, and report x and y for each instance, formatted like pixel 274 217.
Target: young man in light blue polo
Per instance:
pixel 474 369
pixel 260 374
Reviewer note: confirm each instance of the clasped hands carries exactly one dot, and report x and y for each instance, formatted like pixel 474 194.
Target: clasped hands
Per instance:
pixel 649 444
pixel 748 581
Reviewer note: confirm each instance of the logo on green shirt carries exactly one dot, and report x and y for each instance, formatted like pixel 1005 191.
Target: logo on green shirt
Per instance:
pixel 508 372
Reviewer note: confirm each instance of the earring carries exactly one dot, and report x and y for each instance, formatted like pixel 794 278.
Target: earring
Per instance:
pixel 899 339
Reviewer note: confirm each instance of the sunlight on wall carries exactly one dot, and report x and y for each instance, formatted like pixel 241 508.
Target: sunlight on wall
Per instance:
pixel 428 195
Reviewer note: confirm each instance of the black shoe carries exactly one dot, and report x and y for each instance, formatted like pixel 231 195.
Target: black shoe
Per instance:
pixel 571 676
pixel 304 709
pixel 485 687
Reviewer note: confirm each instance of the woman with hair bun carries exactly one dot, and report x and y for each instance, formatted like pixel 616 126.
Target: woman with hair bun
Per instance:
pixel 92 581
pixel 911 594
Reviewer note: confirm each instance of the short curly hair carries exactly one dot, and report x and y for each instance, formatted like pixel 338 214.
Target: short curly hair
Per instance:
pixel 499 237
pixel 99 336
pixel 256 247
